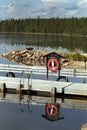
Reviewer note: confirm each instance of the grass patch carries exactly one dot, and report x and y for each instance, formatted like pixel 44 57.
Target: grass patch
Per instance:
pixel 75 57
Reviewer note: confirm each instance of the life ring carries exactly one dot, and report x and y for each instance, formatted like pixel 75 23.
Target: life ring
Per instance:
pixel 53 64
pixel 52 109
pixel 10 74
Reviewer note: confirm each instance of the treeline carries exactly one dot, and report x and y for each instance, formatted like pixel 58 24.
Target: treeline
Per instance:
pixel 77 26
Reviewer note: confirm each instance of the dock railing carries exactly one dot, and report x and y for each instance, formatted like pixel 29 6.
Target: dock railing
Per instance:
pixel 41 70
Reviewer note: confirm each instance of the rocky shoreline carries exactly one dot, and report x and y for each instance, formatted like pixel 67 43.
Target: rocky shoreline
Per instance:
pixel 36 57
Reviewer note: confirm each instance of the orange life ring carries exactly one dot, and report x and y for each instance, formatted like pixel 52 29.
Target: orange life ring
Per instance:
pixel 53 64
pixel 52 109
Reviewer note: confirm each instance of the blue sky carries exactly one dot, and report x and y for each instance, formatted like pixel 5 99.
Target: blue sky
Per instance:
pixel 42 8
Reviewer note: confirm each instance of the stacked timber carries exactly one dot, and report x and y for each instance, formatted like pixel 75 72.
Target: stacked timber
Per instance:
pixel 27 57
pixel 36 57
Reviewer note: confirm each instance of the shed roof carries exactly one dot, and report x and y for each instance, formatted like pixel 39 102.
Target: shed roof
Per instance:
pixel 54 54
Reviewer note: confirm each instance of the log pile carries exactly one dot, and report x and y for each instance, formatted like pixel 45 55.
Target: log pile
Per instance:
pixel 27 57
pixel 36 57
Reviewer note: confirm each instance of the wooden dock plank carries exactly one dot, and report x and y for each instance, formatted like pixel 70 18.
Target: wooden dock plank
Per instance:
pixel 45 85
pixel 68 87
pixel 77 89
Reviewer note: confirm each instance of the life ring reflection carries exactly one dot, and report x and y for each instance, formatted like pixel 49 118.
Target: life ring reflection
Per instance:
pixel 52 109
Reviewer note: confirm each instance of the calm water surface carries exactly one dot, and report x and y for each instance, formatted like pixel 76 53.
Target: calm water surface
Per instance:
pixel 11 118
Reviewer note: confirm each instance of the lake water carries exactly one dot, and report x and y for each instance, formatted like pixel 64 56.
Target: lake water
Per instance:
pixel 11 117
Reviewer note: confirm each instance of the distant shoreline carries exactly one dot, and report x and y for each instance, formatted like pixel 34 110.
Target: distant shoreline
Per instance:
pixel 48 34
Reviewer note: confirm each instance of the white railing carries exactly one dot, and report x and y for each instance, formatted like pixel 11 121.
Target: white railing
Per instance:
pixel 42 70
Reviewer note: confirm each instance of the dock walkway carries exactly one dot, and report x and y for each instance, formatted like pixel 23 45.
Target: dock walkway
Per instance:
pixel 42 85
pixel 45 86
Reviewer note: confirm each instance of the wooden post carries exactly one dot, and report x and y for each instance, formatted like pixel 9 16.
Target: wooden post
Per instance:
pixel 53 94
pixel 85 64
pixel 58 73
pixel 47 69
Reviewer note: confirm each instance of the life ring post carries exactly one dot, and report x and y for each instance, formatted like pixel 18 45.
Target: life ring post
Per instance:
pixel 53 62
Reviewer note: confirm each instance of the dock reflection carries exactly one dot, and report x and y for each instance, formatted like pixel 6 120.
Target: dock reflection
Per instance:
pixel 52 105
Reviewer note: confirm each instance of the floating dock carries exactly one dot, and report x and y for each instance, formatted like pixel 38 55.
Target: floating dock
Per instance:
pixel 45 87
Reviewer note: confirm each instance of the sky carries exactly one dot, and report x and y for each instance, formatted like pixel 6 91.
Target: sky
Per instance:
pixel 43 8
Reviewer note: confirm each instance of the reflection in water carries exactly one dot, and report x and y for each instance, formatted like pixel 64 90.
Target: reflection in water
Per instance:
pixel 40 112
pixel 44 42
pixel 52 112
pixel 52 105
